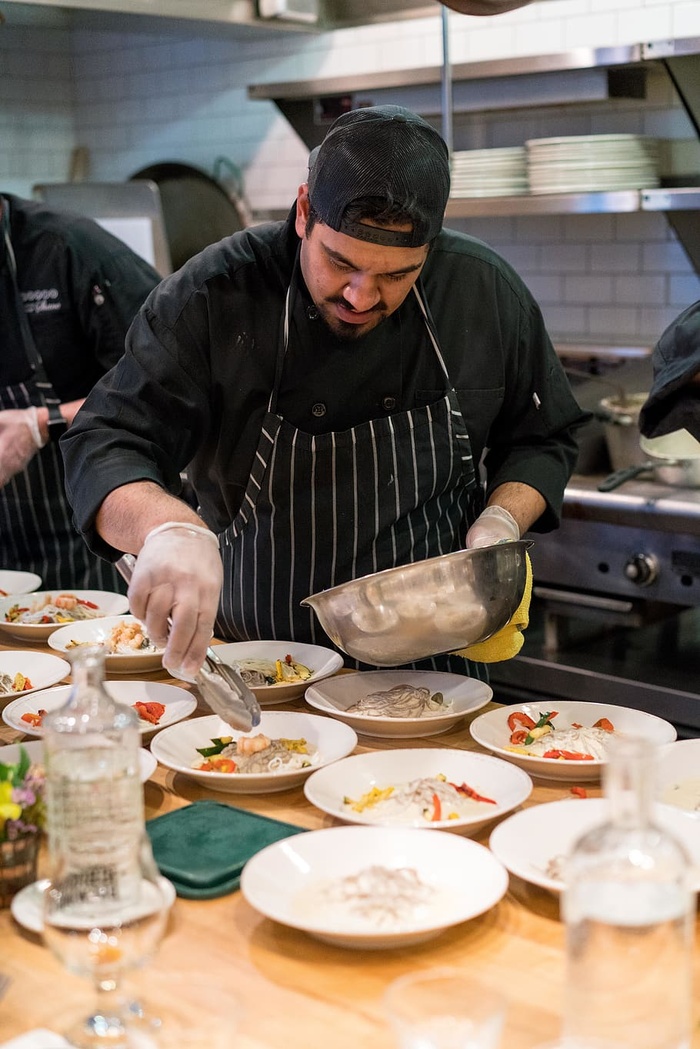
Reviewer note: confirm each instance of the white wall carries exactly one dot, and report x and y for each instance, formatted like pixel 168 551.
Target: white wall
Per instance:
pixel 141 95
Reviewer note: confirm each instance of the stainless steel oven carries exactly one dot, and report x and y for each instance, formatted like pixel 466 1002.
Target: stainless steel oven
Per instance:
pixel 615 614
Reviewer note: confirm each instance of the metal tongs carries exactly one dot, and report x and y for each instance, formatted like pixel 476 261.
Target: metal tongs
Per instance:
pixel 220 685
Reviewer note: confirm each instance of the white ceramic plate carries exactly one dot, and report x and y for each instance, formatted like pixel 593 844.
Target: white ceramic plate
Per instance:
pixel 334 696
pixel 18 582
pixel 528 841
pixel 322 662
pixel 178 704
pixel 491 731
pixel 507 785
pixel 284 881
pixel 35 749
pixel 176 748
pixel 678 767
pixel 42 670
pixel 97 632
pixel 108 604
pixel 27 905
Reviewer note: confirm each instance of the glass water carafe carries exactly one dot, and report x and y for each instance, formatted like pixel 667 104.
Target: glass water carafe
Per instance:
pixel 629 910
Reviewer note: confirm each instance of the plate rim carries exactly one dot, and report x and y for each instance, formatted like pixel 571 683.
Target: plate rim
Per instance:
pixel 436 719
pixel 247 777
pixel 561 704
pixel 449 825
pixel 499 871
pixel 145 730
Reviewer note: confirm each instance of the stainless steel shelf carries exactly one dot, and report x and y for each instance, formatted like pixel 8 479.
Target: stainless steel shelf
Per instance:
pixel 579 58
pixel 613 201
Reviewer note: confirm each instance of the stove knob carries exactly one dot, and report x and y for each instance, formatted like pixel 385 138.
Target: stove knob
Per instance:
pixel 642 569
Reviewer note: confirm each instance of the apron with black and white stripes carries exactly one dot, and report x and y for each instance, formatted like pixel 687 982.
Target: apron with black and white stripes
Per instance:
pixel 322 509
pixel 36 534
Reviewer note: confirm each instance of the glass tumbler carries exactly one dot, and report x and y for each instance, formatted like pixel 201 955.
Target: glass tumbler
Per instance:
pixel 444 1009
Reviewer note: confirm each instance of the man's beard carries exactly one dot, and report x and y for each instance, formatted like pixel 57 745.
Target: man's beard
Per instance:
pixel 343 330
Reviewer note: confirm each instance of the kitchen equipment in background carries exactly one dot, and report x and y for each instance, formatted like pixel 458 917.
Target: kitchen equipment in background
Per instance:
pixel 589 163
pixel 230 177
pixel 442 604
pixel 620 418
pixel 197 209
pixel 131 211
pixel 673 459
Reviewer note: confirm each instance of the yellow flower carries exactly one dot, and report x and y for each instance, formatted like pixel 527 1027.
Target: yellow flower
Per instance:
pixel 9 809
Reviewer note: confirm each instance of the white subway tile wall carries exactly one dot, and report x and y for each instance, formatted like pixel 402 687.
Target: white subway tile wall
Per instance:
pixel 151 92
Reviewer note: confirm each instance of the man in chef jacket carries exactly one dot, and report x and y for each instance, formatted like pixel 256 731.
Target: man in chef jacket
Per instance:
pixel 68 292
pixel 354 388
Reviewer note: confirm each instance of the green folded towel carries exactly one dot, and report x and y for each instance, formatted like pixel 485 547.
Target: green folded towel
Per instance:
pixel 203 847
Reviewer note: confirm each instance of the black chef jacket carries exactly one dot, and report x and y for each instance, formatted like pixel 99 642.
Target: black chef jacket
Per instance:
pixel 194 383
pixel 81 288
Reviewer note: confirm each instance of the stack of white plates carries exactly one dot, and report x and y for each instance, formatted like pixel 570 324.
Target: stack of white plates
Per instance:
pixel 590 163
pixel 489 172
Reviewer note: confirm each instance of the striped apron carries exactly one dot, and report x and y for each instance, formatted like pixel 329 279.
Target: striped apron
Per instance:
pixel 322 509
pixel 36 534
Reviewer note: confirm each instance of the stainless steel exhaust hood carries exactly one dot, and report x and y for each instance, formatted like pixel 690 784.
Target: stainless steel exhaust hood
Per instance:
pixel 294 15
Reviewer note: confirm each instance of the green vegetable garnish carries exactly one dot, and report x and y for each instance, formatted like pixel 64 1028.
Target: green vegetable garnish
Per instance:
pixel 220 743
pixel 544 720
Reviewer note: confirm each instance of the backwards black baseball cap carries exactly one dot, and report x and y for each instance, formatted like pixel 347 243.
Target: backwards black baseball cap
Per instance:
pixel 389 153
pixel 673 404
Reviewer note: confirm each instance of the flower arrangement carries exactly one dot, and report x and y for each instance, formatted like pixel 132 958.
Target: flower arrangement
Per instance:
pixel 22 807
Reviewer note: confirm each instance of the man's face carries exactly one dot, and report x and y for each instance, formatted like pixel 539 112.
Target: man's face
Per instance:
pixel 354 284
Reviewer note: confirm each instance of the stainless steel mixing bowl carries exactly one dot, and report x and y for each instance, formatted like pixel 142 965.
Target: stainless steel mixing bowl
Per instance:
pixel 424 609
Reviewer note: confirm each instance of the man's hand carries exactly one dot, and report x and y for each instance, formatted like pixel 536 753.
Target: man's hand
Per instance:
pixel 20 440
pixel 493 525
pixel 175 590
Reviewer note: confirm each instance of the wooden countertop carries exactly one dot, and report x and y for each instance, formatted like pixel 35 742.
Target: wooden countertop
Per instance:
pixel 299 992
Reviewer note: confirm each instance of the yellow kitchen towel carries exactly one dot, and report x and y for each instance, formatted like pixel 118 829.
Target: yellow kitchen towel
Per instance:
pixel 509 640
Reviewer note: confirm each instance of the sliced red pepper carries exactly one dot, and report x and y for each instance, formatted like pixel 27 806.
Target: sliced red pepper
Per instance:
pixel 437 809
pixel 579 792
pixel 605 724
pixel 151 712
pixel 464 788
pixel 33 719
pixel 519 737
pixel 88 604
pixel 519 717
pixel 568 755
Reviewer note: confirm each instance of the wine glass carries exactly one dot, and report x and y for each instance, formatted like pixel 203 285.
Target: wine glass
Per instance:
pixel 101 919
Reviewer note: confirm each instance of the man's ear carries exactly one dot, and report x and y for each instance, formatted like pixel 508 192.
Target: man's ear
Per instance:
pixel 303 206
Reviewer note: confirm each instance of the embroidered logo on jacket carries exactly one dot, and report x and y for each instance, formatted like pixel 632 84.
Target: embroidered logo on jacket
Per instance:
pixel 44 300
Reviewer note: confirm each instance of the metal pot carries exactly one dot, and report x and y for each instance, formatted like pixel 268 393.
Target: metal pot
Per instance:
pixel 620 418
pixel 674 459
pixel 442 604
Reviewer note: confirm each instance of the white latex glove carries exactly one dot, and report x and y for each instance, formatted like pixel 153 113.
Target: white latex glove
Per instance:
pixel 493 525
pixel 175 590
pixel 19 441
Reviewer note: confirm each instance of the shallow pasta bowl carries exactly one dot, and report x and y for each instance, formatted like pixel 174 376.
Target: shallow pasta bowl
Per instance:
pixel 98 632
pixel 35 750
pixel 322 662
pixel 442 604
pixel 492 732
pixel 13 582
pixel 42 669
pixel 176 748
pixel 461 696
pixel 178 703
pixel 335 789
pixel 533 844
pixel 294 882
pixel 106 602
